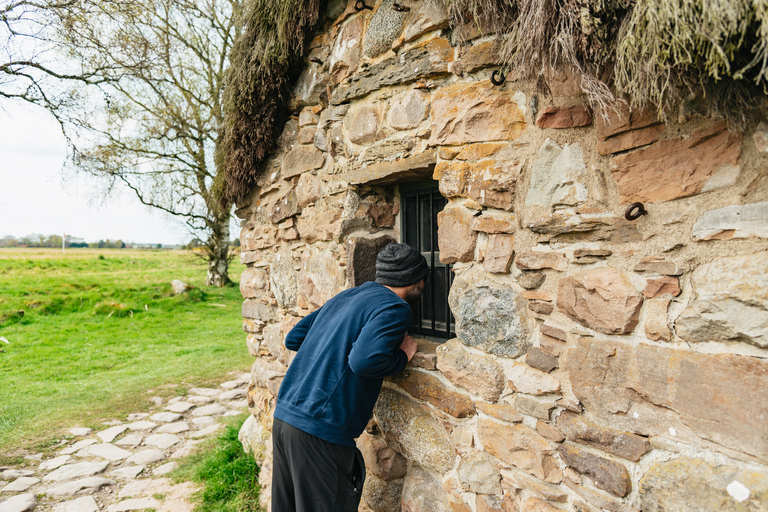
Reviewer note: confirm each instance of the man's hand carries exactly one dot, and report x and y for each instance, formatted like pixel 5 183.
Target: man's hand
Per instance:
pixel 409 346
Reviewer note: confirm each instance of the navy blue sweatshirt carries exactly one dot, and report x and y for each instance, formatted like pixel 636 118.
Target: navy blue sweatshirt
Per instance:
pixel 345 349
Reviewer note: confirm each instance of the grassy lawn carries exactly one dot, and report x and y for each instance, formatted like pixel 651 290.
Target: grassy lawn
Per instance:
pixel 94 334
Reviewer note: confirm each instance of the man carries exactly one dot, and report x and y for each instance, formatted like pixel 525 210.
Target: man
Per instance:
pixel 345 349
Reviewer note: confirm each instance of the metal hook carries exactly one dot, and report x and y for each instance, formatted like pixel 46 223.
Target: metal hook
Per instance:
pixel 400 8
pixel 360 6
pixel 316 60
pixel 498 78
pixel 635 211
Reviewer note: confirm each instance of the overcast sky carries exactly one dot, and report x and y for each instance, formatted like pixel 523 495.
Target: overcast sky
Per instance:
pixel 35 196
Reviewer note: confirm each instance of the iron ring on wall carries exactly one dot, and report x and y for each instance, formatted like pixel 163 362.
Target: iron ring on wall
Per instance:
pixel 360 6
pixel 498 78
pixel 635 211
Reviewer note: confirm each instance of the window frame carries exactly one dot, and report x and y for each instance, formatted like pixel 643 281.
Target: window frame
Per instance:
pixel 421 190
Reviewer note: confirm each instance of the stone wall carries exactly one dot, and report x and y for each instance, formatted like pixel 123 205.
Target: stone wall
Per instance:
pixel 601 363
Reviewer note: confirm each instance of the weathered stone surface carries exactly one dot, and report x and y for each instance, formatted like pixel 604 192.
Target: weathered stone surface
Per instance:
pixel 162 441
pixel 421 61
pixel 409 111
pixel 492 223
pixel 549 431
pixel 479 473
pixel 319 224
pixel 531 280
pixel 414 432
pixel 662 286
pixel 381 496
pixel 208 410
pixel 534 504
pixel 301 159
pixel 309 85
pixel 108 451
pixel 426 355
pixel 690 485
pixel 10 474
pixel 455 237
pixel 606 474
pixel 558 178
pixel 554 332
pixel 180 407
pixel 488 182
pixel 525 379
pixel 624 123
pixel 657 265
pixel 429 17
pixel 308 189
pixel 253 238
pixel 541 360
pixel 388 150
pixel 602 299
pixel 520 446
pixel 580 430
pixel 134 504
pixel 362 124
pixel 19 503
pixel 535 260
pixel 498 253
pixel 20 484
pixel 516 479
pixel 422 492
pixel 380 459
pixel 647 389
pixel 669 169
pixel 488 503
pixel 656 321
pixel 730 301
pixel 320 278
pixel 174 428
pixel 50 464
pixel 630 140
pixel 345 53
pixel 285 207
pixel 480 375
pixel 111 433
pixel 480 151
pixel 282 278
pixel 259 311
pixel 385 26
pixel 500 411
pixel 489 316
pixel 734 221
pixel 760 137
pixel 166 417
pixel 72 471
pixel 82 504
pixel 429 388
pixel 403 170
pixel 274 337
pixel 536 406
pixel 481 55
pixel 599 499
pixel 83 486
pixel 267 374
pixel 475 112
pixel 553 117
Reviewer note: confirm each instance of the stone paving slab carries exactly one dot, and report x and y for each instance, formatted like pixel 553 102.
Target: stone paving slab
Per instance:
pixel 21 484
pixel 82 504
pixel 166 417
pixel 133 504
pixel 73 471
pixel 111 433
pixel 180 407
pixel 78 446
pixel 213 393
pixel 130 440
pixel 200 399
pixel 141 425
pixel 129 472
pixel 147 456
pixel 81 431
pixel 54 463
pixel 84 485
pixel 109 451
pixel 174 428
pixel 19 503
pixel 10 474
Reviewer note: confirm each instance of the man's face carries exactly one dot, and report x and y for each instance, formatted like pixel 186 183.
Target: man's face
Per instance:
pixel 413 293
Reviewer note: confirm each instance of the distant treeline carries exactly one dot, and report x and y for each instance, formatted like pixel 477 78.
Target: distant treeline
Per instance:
pixel 56 240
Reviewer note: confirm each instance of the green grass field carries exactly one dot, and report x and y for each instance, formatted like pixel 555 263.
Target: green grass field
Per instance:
pixel 94 334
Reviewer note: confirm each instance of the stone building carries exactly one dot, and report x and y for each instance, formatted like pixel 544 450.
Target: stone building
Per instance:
pixel 570 359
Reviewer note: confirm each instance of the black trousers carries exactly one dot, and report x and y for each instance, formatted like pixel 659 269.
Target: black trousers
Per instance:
pixel 313 475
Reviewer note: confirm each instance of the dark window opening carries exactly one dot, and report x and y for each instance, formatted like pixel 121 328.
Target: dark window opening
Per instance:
pixel 420 203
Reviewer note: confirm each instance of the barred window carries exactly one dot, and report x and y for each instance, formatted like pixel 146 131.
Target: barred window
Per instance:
pixel 420 203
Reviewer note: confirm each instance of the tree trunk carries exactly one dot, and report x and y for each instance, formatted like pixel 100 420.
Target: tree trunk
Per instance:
pixel 218 253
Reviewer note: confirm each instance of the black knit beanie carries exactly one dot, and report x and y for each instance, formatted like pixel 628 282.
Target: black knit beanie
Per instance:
pixel 400 265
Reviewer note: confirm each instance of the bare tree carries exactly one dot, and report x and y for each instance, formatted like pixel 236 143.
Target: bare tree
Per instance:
pixel 139 97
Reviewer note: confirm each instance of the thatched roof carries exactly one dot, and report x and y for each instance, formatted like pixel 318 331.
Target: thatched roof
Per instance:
pixel 656 53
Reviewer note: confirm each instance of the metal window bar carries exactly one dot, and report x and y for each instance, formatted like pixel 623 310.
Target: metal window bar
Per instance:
pixel 419 227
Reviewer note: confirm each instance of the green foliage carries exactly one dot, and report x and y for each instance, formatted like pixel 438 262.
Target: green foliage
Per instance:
pixel 264 60
pixel 230 477
pixel 96 338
